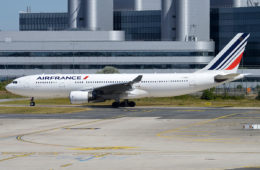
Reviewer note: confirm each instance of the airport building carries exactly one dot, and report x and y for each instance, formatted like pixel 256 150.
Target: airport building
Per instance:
pixel 147 36
pixel 99 33
pixel 229 17
pixel 233 20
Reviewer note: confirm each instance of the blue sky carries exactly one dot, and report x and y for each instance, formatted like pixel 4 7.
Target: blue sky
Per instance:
pixel 9 10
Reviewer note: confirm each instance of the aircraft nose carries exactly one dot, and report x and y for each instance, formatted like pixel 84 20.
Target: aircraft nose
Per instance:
pixel 8 88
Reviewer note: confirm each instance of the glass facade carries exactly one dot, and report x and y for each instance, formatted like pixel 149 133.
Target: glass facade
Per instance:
pixel 43 21
pixel 61 58
pixel 227 22
pixel 101 66
pixel 139 25
pixel 104 54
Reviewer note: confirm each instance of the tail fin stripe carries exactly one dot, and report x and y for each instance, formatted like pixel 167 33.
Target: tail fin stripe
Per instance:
pixel 229 58
pixel 239 41
pixel 233 58
pixel 236 62
pixel 232 55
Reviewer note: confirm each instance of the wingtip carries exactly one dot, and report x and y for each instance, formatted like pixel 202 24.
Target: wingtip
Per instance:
pixel 137 79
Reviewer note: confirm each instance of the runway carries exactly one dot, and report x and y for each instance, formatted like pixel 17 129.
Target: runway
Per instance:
pixel 131 138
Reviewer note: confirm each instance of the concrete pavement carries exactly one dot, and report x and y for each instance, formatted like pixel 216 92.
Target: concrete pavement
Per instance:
pixel 131 138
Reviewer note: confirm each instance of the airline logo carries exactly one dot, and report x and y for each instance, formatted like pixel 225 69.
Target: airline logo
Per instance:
pixel 61 78
pixel 86 78
pixel 232 56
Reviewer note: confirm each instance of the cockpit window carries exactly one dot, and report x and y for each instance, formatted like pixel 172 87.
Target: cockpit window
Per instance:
pixel 15 82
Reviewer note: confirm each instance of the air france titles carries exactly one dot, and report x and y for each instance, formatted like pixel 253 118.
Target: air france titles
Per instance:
pixel 59 78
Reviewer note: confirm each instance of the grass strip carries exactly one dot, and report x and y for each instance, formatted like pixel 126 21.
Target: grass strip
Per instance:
pixel 200 103
pixel 181 101
pixel 64 101
pixel 41 110
pixel 7 95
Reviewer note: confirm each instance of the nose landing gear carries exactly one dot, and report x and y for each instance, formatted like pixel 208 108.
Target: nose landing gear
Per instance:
pixel 32 103
pixel 125 103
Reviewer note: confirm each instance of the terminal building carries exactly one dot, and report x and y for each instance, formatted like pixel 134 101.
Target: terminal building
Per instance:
pixel 145 36
pixel 229 17
pixel 134 37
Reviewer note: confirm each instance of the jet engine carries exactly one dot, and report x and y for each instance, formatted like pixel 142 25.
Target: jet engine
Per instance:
pixel 80 97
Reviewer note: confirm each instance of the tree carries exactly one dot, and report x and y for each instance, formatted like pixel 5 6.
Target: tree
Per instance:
pixel 240 87
pixel 108 70
pixel 208 94
pixel 258 87
pixel 258 97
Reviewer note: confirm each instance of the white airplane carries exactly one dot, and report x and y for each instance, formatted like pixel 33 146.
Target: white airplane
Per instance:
pixel 85 88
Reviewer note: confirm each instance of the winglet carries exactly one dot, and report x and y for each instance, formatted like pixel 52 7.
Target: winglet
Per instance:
pixel 137 79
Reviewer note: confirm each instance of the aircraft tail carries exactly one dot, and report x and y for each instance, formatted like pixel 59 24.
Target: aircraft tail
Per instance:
pixel 230 56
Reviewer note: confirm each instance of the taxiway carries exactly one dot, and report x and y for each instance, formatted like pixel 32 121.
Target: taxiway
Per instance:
pixel 140 138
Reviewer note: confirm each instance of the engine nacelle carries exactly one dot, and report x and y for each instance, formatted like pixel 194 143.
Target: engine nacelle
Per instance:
pixel 80 97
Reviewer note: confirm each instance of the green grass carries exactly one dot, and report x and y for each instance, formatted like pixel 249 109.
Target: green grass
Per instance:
pixel 190 101
pixel 180 101
pixel 40 110
pixel 7 95
pixel 4 94
pixel 3 84
pixel 64 101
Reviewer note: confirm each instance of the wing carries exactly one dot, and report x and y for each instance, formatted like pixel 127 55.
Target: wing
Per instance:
pixel 114 91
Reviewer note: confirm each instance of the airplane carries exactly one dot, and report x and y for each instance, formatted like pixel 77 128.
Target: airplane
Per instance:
pixel 86 88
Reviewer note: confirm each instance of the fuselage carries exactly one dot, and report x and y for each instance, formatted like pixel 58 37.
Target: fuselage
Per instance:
pixel 151 85
pixel 82 88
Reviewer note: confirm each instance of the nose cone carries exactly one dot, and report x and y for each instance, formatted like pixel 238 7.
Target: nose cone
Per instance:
pixel 8 87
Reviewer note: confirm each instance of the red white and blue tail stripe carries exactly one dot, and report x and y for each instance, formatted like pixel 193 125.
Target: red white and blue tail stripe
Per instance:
pixel 230 57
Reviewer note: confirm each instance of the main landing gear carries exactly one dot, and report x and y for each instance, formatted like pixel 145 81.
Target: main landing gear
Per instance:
pixel 125 103
pixel 32 103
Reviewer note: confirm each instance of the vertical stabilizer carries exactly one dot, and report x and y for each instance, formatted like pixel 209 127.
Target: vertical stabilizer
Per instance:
pixel 230 56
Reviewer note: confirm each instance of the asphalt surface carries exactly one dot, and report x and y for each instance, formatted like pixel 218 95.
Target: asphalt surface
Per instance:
pixel 104 112
pixel 131 138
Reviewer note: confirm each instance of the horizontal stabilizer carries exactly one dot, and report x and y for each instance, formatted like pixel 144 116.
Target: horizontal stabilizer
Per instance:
pixel 222 78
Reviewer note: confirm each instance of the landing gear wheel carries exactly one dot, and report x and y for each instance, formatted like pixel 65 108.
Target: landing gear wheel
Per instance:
pixel 32 103
pixel 131 104
pixel 123 104
pixel 116 105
